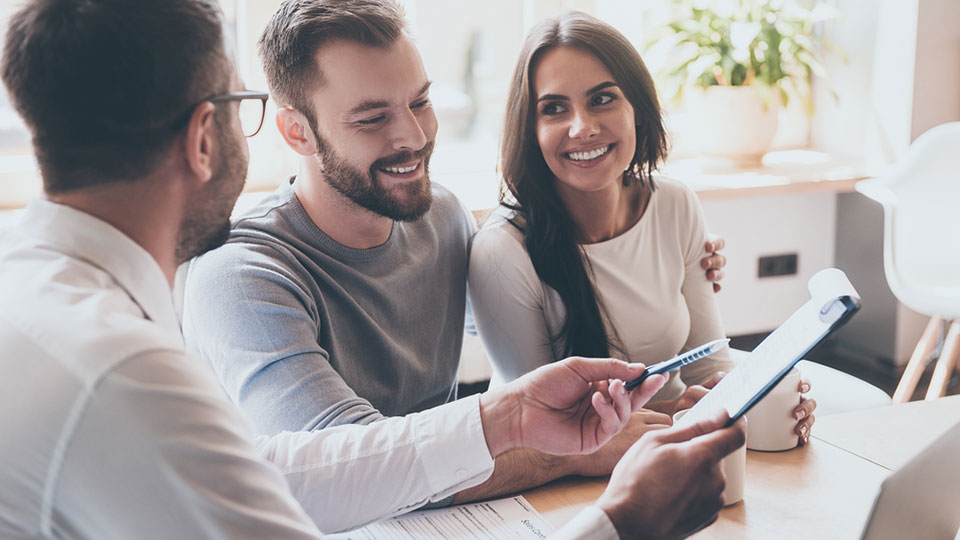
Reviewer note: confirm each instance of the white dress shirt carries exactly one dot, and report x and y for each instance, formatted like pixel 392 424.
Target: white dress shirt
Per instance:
pixel 109 430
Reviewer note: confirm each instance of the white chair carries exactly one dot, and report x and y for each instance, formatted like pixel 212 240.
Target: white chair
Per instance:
pixel 921 247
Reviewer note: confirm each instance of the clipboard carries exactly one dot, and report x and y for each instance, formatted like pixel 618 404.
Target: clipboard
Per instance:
pixel 833 300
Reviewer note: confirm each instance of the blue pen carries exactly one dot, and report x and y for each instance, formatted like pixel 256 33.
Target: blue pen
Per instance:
pixel 688 357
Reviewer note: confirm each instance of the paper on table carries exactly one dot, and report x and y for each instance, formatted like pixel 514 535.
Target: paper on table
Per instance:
pixel 493 520
pixel 780 350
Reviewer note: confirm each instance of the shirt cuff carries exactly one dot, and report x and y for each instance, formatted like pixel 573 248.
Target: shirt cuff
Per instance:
pixel 453 447
pixel 591 523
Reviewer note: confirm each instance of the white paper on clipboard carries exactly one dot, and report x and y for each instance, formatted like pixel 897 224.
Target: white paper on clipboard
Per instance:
pixel 832 301
pixel 511 518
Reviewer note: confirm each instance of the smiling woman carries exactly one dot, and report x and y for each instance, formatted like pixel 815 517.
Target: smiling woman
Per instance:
pixel 588 254
pixel 586 132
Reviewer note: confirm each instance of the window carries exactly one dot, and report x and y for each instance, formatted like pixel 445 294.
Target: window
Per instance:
pixel 469 49
pixel 19 180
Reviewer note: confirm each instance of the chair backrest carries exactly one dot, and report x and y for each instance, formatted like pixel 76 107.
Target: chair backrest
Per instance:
pixel 922 218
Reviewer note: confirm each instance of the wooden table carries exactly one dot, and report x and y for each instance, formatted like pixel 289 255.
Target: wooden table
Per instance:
pixel 890 436
pixel 824 490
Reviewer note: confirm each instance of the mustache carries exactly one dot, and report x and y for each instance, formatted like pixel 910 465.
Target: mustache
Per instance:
pixel 403 157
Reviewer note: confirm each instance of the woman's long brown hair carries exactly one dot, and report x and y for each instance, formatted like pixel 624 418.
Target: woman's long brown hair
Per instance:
pixel 529 187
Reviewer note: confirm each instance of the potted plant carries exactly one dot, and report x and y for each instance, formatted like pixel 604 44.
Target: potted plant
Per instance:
pixel 739 60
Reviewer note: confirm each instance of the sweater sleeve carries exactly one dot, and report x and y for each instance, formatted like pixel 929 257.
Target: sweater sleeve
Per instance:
pixel 508 301
pixel 698 294
pixel 247 311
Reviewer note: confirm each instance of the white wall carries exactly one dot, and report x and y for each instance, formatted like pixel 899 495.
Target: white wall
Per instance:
pixel 874 89
pixel 770 225
pixel 936 81
pixel 901 77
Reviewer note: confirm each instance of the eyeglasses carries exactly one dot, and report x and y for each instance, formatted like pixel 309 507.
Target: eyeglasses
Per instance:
pixel 253 107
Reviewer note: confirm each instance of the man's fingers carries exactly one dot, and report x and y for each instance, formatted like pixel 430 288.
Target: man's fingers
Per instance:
pixel 613 414
pixel 695 393
pixel 606 412
pixel 641 395
pixel 600 369
pixel 686 433
pixel 710 435
pixel 621 401
pixel 715 379
pixel 722 442
pixel 655 417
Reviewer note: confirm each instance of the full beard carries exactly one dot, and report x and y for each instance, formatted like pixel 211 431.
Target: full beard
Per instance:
pixel 406 202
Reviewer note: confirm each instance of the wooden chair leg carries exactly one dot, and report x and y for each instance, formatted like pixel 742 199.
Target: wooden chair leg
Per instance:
pixel 916 366
pixel 946 363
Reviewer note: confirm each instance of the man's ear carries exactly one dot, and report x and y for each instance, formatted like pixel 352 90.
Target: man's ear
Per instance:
pixel 199 142
pixel 296 131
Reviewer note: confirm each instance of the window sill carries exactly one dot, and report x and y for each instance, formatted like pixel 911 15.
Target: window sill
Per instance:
pixel 783 172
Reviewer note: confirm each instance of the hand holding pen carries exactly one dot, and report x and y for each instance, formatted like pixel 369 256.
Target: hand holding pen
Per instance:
pixel 680 360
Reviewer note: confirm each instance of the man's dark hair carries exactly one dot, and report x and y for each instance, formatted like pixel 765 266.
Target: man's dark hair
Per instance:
pixel 105 86
pixel 289 44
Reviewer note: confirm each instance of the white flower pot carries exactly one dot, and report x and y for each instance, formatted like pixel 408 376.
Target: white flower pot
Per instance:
pixel 734 122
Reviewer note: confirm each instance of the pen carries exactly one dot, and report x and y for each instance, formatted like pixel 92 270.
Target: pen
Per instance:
pixel 688 357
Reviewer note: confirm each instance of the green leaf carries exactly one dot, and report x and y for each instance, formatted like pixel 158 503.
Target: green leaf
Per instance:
pixel 784 52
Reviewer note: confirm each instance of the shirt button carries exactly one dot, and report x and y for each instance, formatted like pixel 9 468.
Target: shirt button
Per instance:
pixel 461 473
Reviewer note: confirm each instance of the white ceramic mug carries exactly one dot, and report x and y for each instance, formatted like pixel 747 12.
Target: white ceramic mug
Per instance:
pixel 734 468
pixel 772 424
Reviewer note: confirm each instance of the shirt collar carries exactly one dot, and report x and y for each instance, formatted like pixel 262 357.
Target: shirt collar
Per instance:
pixel 94 241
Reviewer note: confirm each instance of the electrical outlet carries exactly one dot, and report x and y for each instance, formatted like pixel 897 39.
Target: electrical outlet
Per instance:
pixel 777 265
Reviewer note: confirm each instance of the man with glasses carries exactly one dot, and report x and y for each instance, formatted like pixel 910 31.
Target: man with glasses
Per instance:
pixel 341 298
pixel 253 107
pixel 109 430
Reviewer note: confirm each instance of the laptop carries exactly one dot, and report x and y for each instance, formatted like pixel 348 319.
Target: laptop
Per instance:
pixel 921 500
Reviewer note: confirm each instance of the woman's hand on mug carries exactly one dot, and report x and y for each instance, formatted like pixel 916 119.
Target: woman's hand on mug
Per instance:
pixel 804 413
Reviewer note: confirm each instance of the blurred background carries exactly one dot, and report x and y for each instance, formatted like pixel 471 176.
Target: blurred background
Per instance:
pixel 842 87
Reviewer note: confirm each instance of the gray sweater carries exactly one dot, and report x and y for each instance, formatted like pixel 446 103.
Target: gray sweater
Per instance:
pixel 306 333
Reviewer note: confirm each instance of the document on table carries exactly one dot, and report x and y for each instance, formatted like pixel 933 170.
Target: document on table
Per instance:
pixel 832 301
pixel 491 520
